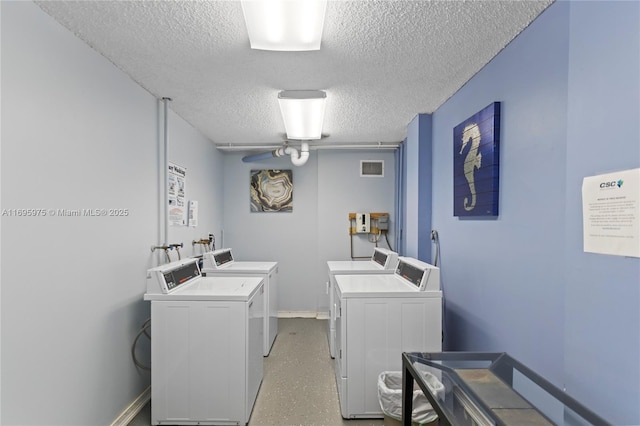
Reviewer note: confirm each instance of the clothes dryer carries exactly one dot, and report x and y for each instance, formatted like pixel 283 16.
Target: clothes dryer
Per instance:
pixel 379 316
pixel 206 345
pixel 221 263
pixel 382 261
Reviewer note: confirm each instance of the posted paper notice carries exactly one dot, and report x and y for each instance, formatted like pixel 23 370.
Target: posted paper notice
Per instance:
pixel 177 176
pixel 611 213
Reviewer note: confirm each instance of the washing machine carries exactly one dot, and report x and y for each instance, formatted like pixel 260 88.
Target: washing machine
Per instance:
pixel 221 263
pixel 379 316
pixel 382 261
pixel 206 345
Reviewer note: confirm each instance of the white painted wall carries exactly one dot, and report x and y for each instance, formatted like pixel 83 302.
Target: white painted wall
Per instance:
pixel 79 134
pixel 203 162
pixel 274 236
pixel 341 191
pixel 325 190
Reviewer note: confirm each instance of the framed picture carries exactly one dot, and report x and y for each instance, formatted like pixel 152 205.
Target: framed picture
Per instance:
pixel 271 191
pixel 476 163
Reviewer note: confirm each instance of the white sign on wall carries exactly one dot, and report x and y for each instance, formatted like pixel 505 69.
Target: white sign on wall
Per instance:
pixel 611 213
pixel 176 186
pixel 193 213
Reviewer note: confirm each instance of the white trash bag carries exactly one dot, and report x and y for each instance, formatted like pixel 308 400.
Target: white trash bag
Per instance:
pixel 390 396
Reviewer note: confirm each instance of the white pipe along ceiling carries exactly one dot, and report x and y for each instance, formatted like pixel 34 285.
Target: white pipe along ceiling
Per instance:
pixel 298 158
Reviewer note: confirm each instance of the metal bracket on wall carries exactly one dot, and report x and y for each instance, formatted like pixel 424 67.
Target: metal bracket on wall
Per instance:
pixel 379 226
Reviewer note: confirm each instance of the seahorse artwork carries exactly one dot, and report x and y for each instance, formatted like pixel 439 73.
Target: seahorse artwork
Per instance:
pixel 476 163
pixel 472 161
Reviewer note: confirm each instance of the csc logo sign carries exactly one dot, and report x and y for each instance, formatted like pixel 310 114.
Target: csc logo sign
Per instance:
pixel 611 184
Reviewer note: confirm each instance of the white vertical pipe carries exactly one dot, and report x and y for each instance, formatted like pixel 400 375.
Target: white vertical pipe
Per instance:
pixel 166 169
pixel 161 178
pixel 163 165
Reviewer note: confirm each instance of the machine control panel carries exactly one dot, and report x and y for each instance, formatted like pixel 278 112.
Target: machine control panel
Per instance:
pixel 379 257
pixel 216 259
pixel 423 275
pixel 166 278
pixel 410 273
pixel 385 258
pixel 223 256
pixel 181 275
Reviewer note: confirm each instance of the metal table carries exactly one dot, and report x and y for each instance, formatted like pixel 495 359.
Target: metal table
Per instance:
pixel 488 388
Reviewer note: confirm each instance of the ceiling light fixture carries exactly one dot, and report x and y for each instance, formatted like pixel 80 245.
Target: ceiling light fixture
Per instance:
pixel 303 113
pixel 288 25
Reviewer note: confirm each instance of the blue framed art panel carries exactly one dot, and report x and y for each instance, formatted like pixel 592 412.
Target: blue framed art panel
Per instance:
pixel 476 164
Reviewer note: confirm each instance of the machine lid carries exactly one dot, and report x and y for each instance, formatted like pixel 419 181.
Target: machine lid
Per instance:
pixel 381 261
pixel 356 267
pixel 222 260
pixel 379 286
pixel 242 267
pixel 227 289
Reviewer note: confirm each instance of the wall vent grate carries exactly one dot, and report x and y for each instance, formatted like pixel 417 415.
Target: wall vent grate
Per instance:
pixel 371 168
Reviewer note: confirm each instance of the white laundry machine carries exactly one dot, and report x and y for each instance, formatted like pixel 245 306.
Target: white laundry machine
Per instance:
pixel 221 263
pixel 382 261
pixel 378 317
pixel 206 345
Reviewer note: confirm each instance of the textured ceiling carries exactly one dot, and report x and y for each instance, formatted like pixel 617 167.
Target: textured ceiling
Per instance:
pixel 381 62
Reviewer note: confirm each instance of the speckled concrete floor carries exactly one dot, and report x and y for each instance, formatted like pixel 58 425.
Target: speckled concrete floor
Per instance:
pixel 299 385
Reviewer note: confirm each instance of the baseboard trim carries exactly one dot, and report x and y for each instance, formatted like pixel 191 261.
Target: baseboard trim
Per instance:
pixel 296 314
pixel 303 314
pixel 133 409
pixel 322 315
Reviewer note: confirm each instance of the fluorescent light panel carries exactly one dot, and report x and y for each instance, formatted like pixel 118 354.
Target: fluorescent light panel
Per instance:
pixel 288 25
pixel 303 113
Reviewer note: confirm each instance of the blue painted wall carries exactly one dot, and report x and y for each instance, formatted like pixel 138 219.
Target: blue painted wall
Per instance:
pixel 418 178
pixel 521 283
pixel 400 199
pixel 602 321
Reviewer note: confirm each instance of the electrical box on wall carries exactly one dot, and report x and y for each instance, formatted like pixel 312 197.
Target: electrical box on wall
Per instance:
pixel 363 221
pixel 372 226
pixel 368 223
pixel 383 223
